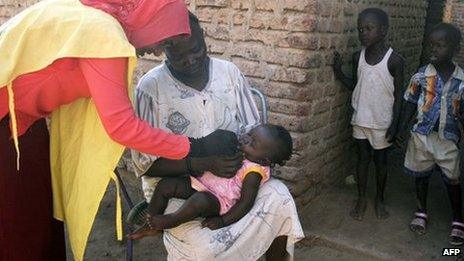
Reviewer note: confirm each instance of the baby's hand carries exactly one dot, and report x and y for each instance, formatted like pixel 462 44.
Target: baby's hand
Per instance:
pixel 213 223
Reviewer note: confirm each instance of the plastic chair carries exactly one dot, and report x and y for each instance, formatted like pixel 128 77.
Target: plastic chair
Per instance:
pixel 130 204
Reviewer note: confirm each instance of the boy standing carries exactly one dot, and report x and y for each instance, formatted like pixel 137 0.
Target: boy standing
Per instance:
pixel 377 88
pixel 435 92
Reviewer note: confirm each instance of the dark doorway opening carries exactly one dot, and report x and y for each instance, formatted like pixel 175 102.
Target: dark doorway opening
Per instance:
pixel 435 11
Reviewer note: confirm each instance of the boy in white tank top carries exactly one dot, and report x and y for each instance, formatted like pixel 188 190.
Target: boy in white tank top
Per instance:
pixel 377 84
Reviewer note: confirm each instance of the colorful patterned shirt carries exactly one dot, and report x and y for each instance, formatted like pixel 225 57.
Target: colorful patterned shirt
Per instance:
pixel 437 101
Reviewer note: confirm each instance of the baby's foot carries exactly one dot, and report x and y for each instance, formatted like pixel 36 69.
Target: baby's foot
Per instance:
pixel 380 210
pixel 144 231
pixel 359 209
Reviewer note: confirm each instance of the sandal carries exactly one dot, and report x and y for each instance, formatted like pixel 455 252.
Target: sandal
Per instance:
pixel 457 233
pixel 137 215
pixel 419 223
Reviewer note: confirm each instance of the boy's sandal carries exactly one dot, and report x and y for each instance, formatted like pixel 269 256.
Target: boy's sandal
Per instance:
pixel 457 233
pixel 419 223
pixel 138 214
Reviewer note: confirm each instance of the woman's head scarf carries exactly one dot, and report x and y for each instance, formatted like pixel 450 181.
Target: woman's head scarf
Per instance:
pixel 146 22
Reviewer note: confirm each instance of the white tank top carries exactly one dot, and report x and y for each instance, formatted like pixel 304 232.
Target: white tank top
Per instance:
pixel 373 95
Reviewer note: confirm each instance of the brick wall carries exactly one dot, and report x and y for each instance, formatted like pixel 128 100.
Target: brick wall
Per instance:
pixel 9 8
pixel 455 15
pixel 285 48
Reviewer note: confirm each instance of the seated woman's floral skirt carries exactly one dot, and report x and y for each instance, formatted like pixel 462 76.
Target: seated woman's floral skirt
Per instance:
pixel 273 214
pixel 28 230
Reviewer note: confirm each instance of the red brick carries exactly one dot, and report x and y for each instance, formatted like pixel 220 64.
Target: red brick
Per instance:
pixel 289 107
pixel 321 105
pixel 241 4
pixel 217 31
pixel 306 6
pixel 249 67
pixel 291 57
pixel 318 121
pixel 217 46
pixel 284 90
pixel 221 16
pixel 291 122
pixel 295 75
pixel 291 21
pixel 214 3
pixel 300 41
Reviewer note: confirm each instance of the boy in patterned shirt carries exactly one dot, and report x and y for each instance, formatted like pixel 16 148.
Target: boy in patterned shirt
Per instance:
pixel 435 92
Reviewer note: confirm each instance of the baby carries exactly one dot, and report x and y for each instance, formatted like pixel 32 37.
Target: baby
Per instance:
pixel 219 200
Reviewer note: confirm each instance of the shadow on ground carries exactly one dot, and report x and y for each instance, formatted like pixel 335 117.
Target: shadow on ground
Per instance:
pixel 328 224
pixel 102 243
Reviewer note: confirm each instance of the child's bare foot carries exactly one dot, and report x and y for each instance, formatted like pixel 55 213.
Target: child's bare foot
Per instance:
pixel 144 231
pixel 359 209
pixel 380 210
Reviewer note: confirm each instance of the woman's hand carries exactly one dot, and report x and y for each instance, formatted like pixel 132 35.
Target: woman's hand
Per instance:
pixel 219 142
pixel 221 166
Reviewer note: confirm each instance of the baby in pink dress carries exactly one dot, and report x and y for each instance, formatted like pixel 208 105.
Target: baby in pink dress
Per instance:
pixel 220 201
pixel 228 191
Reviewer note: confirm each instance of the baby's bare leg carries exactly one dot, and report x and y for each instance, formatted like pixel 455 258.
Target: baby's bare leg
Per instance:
pixel 200 204
pixel 166 189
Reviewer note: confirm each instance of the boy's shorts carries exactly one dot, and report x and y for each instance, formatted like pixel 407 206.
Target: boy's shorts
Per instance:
pixel 376 137
pixel 426 151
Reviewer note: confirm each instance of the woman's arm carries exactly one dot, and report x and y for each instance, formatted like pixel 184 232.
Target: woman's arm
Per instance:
pixel 107 82
pixel 250 189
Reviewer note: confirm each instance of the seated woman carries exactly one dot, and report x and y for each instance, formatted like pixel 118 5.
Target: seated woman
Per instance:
pixel 221 201
pixel 193 95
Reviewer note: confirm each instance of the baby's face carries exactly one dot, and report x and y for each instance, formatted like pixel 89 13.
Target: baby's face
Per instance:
pixel 257 145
